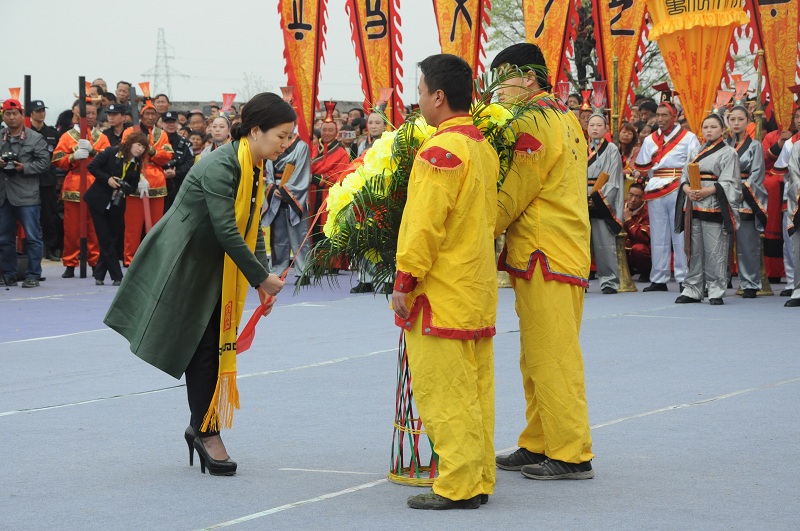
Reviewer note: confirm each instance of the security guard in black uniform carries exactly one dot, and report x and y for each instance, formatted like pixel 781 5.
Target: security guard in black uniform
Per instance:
pixel 52 224
pixel 182 160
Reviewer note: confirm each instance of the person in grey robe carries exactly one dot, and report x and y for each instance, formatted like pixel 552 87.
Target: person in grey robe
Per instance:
pixel 714 213
pixel 753 210
pixel 793 218
pixel 605 204
pixel 286 210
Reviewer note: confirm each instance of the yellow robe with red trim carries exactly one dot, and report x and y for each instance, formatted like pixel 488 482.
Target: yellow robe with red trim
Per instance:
pixel 543 202
pixel 445 248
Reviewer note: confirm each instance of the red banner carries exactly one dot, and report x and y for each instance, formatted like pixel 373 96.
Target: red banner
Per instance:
pixel 551 25
pixel 462 29
pixel 375 28
pixel 304 24
pixel 618 33
pixel 775 30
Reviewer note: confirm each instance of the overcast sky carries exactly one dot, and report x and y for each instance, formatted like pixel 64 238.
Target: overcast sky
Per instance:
pixel 214 44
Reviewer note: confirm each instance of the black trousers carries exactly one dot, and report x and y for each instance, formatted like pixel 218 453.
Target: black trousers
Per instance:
pixel 201 373
pixel 52 225
pixel 107 225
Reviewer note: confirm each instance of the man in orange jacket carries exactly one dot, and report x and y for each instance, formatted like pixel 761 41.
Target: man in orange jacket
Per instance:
pixel 67 154
pixel 152 182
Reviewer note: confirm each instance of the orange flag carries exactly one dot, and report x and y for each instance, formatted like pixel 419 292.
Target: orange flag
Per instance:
pixel 551 26
pixel 304 24
pixel 375 28
pixel 462 29
pixel 618 32
pixel 693 38
pixel 775 26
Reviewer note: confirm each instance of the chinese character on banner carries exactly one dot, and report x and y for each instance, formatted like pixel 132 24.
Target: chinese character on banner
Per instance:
pixel 462 29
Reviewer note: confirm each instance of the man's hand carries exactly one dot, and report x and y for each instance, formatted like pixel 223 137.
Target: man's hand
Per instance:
pixel 143 187
pixel 278 194
pixel 169 173
pixel 399 304
pixel 84 144
pixel 81 154
pixel 113 182
pixel 627 214
pixel 19 167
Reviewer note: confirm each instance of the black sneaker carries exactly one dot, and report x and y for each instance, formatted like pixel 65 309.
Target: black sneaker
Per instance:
pixel 685 299
pixel 10 282
pixel 432 501
pixel 716 302
pixel 786 293
pixel 362 287
pixel 69 272
pixel 30 282
pixel 608 291
pixel 555 469
pixel 656 286
pixel 518 459
pixel 749 293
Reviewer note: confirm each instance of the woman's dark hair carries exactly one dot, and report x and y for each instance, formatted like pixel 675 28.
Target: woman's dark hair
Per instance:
pixel 64 121
pixel 717 117
pixel 196 133
pixel 265 111
pixel 137 137
pixel 452 75
pixel 627 149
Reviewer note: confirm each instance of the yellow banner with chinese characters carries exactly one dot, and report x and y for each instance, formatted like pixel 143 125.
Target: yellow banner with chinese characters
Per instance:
pixel 551 26
pixel 618 31
pixel 304 24
pixel 693 36
pixel 462 29
pixel 778 26
pixel 375 28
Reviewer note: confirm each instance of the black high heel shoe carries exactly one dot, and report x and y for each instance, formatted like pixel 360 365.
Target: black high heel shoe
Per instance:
pixel 189 435
pixel 215 468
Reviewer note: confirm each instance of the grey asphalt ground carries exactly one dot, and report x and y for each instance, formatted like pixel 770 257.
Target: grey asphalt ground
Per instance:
pixel 694 412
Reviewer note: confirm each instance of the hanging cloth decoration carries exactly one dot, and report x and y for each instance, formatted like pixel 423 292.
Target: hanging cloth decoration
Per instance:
pixel 551 26
pixel 462 29
pixel 304 25
pixel 775 27
pixel 375 28
pixel 693 40
pixel 618 32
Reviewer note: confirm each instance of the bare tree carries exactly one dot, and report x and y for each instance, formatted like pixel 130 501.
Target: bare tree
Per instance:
pixel 253 84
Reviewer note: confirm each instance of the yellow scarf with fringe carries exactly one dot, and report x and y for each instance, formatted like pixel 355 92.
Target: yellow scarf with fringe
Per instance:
pixel 234 293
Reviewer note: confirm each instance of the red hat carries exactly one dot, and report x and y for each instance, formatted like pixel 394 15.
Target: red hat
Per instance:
pixel 12 104
pixel 330 106
pixel 586 94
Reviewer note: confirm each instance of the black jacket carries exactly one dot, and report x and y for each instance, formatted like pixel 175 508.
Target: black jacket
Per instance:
pixel 182 160
pixel 108 163
pixel 51 136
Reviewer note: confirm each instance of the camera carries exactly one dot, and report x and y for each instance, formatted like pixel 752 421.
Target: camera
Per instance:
pixel 10 157
pixel 120 193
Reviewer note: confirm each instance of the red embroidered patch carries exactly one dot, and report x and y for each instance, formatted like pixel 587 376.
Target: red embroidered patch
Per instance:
pixel 440 158
pixel 469 131
pixel 527 143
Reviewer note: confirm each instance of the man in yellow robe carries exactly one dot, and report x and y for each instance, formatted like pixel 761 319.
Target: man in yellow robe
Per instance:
pixel 543 205
pixel 445 294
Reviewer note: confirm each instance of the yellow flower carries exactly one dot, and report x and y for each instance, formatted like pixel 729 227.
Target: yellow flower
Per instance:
pixel 495 114
pixel 421 130
pixel 338 198
pixel 330 228
pixel 354 181
pixel 379 157
pixel 373 256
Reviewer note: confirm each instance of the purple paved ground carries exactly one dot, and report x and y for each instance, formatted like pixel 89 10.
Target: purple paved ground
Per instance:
pixel 694 414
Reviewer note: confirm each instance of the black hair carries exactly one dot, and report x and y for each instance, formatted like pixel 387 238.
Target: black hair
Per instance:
pixel 110 96
pixel 265 111
pixel 192 132
pixel 641 98
pixel 64 121
pixel 360 111
pixel 124 83
pixel 648 105
pixel 525 54
pixel 452 75
pixel 575 95
pixel 159 95
pixel 100 91
pixel 717 117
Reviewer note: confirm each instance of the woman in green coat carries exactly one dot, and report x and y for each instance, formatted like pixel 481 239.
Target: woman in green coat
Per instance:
pixel 207 249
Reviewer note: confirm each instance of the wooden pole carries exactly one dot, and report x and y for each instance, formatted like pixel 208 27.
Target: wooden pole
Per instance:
pixel 82 164
pixel 615 116
pixel 759 112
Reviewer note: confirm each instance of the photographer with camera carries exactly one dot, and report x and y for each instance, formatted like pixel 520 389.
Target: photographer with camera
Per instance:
pixel 23 158
pixel 116 171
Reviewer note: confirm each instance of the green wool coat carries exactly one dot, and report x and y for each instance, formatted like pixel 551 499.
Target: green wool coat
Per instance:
pixel 175 281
